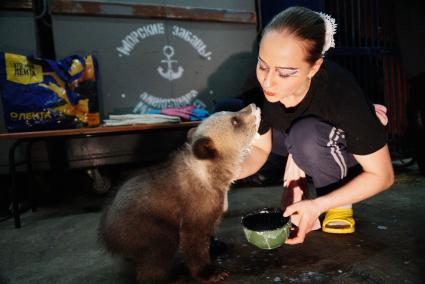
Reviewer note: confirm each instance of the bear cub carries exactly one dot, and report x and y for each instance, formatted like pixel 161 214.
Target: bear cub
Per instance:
pixel 176 205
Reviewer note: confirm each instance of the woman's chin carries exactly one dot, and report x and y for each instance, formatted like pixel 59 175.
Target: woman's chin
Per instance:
pixel 272 99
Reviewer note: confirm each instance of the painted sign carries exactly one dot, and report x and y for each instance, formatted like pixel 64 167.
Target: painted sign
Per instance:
pixel 169 68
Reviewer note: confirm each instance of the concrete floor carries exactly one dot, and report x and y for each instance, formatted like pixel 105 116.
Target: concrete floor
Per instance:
pixel 57 244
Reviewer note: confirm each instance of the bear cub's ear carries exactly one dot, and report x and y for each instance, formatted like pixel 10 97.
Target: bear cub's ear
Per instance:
pixel 189 134
pixel 204 149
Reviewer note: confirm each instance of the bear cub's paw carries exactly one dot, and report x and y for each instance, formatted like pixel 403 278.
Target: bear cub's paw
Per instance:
pixel 212 274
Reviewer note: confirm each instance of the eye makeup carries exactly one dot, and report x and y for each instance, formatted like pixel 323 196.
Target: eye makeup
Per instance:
pixel 283 72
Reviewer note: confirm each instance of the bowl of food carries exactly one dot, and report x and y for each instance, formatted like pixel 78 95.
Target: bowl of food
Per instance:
pixel 266 228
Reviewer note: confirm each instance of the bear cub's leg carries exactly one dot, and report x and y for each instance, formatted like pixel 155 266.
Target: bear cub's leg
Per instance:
pixel 195 248
pixel 154 264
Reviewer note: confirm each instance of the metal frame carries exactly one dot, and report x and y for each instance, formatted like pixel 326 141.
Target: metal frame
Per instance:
pixel 138 10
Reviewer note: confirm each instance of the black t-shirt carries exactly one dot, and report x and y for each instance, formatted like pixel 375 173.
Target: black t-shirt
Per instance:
pixel 334 97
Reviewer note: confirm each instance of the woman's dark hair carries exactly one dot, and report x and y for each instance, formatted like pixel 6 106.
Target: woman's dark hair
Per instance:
pixel 303 23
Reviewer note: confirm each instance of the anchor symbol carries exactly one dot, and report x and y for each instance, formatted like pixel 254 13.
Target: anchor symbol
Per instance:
pixel 169 74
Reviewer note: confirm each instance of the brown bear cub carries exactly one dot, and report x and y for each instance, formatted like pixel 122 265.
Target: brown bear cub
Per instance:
pixel 177 205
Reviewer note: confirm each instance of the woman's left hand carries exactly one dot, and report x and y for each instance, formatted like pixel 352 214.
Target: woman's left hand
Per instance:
pixel 308 211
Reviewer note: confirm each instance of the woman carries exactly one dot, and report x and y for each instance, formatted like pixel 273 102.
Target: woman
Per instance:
pixel 319 115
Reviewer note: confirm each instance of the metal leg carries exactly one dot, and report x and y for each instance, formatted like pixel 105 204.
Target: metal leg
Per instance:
pixel 30 176
pixel 13 189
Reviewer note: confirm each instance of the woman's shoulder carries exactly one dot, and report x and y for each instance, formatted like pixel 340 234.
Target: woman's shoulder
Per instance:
pixel 336 73
pixel 338 80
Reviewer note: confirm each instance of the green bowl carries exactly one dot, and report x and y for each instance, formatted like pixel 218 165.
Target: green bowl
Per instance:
pixel 266 228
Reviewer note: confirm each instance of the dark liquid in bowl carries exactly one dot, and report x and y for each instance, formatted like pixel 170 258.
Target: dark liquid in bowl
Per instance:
pixel 264 220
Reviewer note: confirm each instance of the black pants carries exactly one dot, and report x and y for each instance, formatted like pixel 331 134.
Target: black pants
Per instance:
pixel 320 150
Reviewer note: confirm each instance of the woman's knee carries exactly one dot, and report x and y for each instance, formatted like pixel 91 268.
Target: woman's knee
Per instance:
pixel 320 150
pixel 304 139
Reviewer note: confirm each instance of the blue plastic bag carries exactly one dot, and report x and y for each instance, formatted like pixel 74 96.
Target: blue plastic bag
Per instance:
pixel 42 94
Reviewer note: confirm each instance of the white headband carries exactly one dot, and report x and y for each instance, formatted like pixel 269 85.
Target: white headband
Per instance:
pixel 330 30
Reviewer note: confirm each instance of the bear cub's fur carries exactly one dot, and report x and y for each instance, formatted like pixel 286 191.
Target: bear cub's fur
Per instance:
pixel 177 204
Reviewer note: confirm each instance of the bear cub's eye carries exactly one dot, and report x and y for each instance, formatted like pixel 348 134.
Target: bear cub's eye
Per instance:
pixel 235 121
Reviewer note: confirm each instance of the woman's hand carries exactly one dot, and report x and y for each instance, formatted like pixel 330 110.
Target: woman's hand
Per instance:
pixel 308 212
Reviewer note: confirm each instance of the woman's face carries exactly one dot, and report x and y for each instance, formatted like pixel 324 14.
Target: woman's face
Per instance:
pixel 282 69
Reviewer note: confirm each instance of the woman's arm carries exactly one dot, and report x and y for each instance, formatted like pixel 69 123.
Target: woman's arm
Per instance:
pixel 258 155
pixel 377 176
